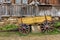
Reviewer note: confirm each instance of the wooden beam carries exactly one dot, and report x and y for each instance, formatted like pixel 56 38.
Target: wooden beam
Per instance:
pixel 13 1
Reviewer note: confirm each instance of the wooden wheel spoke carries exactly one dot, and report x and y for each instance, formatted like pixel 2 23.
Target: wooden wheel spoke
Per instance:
pixel 47 27
pixel 25 30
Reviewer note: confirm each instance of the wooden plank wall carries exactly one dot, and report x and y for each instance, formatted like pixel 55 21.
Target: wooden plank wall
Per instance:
pixel 54 2
pixel 42 1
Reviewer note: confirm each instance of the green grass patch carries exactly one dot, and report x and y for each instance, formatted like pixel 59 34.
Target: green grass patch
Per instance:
pixel 9 27
pixel 21 34
pixel 6 34
pixel 12 26
pixel 54 32
pixel 57 24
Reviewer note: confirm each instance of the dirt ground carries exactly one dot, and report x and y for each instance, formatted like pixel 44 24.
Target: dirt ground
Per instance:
pixel 45 37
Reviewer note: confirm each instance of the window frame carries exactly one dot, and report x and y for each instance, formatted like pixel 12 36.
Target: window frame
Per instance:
pixel 26 1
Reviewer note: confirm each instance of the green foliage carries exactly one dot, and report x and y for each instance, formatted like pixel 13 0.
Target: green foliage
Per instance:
pixel 9 27
pixel 57 24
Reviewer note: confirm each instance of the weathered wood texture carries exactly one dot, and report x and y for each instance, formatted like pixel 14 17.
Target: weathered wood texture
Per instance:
pixel 55 2
pixel 46 1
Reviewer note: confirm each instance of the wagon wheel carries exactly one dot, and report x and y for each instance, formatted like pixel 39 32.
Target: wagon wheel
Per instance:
pixel 25 29
pixel 46 27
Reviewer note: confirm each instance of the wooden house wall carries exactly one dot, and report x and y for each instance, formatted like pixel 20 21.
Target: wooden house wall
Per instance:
pixel 49 1
pixel 41 1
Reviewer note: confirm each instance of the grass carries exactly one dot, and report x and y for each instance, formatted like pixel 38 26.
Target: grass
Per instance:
pixel 54 32
pixel 9 27
pixel 7 34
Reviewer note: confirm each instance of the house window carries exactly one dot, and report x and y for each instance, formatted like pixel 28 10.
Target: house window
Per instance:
pixel 25 1
pixel 8 1
pixel 18 1
pixel 21 1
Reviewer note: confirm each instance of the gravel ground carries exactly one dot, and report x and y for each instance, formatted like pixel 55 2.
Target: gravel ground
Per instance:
pixel 45 37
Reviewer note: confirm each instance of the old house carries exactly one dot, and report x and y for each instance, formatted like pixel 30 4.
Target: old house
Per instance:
pixel 29 1
pixel 54 2
pixel 13 7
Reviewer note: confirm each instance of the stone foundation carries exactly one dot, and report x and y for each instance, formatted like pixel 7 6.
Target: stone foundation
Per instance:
pixel 35 29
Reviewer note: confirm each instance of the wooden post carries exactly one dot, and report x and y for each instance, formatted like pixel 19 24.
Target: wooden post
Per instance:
pixel 6 10
pixel 13 1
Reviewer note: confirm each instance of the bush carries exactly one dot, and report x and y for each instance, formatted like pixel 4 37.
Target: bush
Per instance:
pixel 9 27
pixel 57 24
